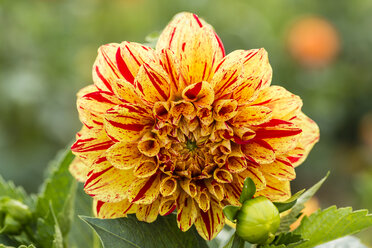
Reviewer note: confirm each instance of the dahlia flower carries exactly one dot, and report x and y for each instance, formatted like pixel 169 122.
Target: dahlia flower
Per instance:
pixel 179 128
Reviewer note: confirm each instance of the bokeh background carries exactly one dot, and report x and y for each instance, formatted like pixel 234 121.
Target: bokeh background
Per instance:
pixel 320 50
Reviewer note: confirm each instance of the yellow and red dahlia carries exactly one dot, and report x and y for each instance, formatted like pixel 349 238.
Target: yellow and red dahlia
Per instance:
pixel 179 128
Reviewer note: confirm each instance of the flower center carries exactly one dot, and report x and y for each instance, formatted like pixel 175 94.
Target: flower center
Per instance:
pixel 191 145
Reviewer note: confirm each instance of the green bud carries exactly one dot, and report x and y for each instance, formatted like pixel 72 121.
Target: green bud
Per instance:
pixel 11 226
pixel 257 221
pixel 16 209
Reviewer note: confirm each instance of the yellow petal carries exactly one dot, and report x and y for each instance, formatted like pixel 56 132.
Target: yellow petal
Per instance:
pixel 203 199
pixel 227 76
pixel 131 56
pixel 168 186
pixel 259 151
pixel 106 183
pixel 152 83
pixel 186 212
pixel 255 174
pixel 281 135
pixel 126 91
pixel 189 187
pixel 105 69
pixel 111 210
pixel 201 94
pixel 149 145
pixel 281 168
pixel 225 109
pixel 276 190
pixel 232 193
pixel 146 168
pixel 124 155
pixel 94 105
pixel 91 144
pixel 236 164
pixel 148 213
pixel 306 141
pixel 216 189
pixel 127 122
pixel 222 176
pixel 256 74
pixel 144 190
pixel 251 115
pixel 195 44
pixel 284 105
pixel 210 223
pixel 171 65
pixel 167 206
pixel 78 169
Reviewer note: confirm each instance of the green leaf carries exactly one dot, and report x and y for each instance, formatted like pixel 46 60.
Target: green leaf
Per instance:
pixel 129 232
pixel 57 237
pixel 332 223
pixel 283 240
pixel 80 235
pixel 345 242
pixel 235 242
pixel 249 188
pixel 230 212
pixel 6 241
pixel 287 220
pixel 289 203
pixel 17 193
pixel 58 189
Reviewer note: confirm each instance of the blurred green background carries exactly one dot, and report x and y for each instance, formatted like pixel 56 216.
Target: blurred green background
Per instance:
pixel 47 49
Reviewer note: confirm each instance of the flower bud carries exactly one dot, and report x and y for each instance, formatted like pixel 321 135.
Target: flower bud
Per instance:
pixel 257 221
pixel 16 209
pixel 10 226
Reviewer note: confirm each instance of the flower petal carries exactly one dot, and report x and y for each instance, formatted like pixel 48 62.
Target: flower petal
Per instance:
pixel 126 91
pixel 232 193
pixel 167 206
pixel 146 168
pixel 260 151
pixel 197 46
pixel 148 213
pixel 144 190
pixel 186 212
pixel 256 74
pixel 111 210
pixel 130 56
pixel 91 144
pixel 306 141
pixel 210 223
pixel 284 104
pixel 105 69
pixel 94 105
pixel 152 83
pixel 282 136
pixel 171 65
pixel 276 190
pixel 106 183
pixel 251 115
pixel 127 122
pixel 79 170
pixel 201 94
pixel 124 155
pixel 281 168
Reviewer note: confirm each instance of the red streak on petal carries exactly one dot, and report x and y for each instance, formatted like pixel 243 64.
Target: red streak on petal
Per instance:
pixel 170 210
pixel 172 35
pixel 156 82
pixel 145 188
pixel 267 134
pixel 123 68
pixel 193 92
pixel 206 220
pixel 130 127
pixel 294 159
pixel 274 122
pixel 103 79
pixel 95 175
pixel 220 44
pixel 285 162
pixel 197 20
pixel 99 96
pixel 99 205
